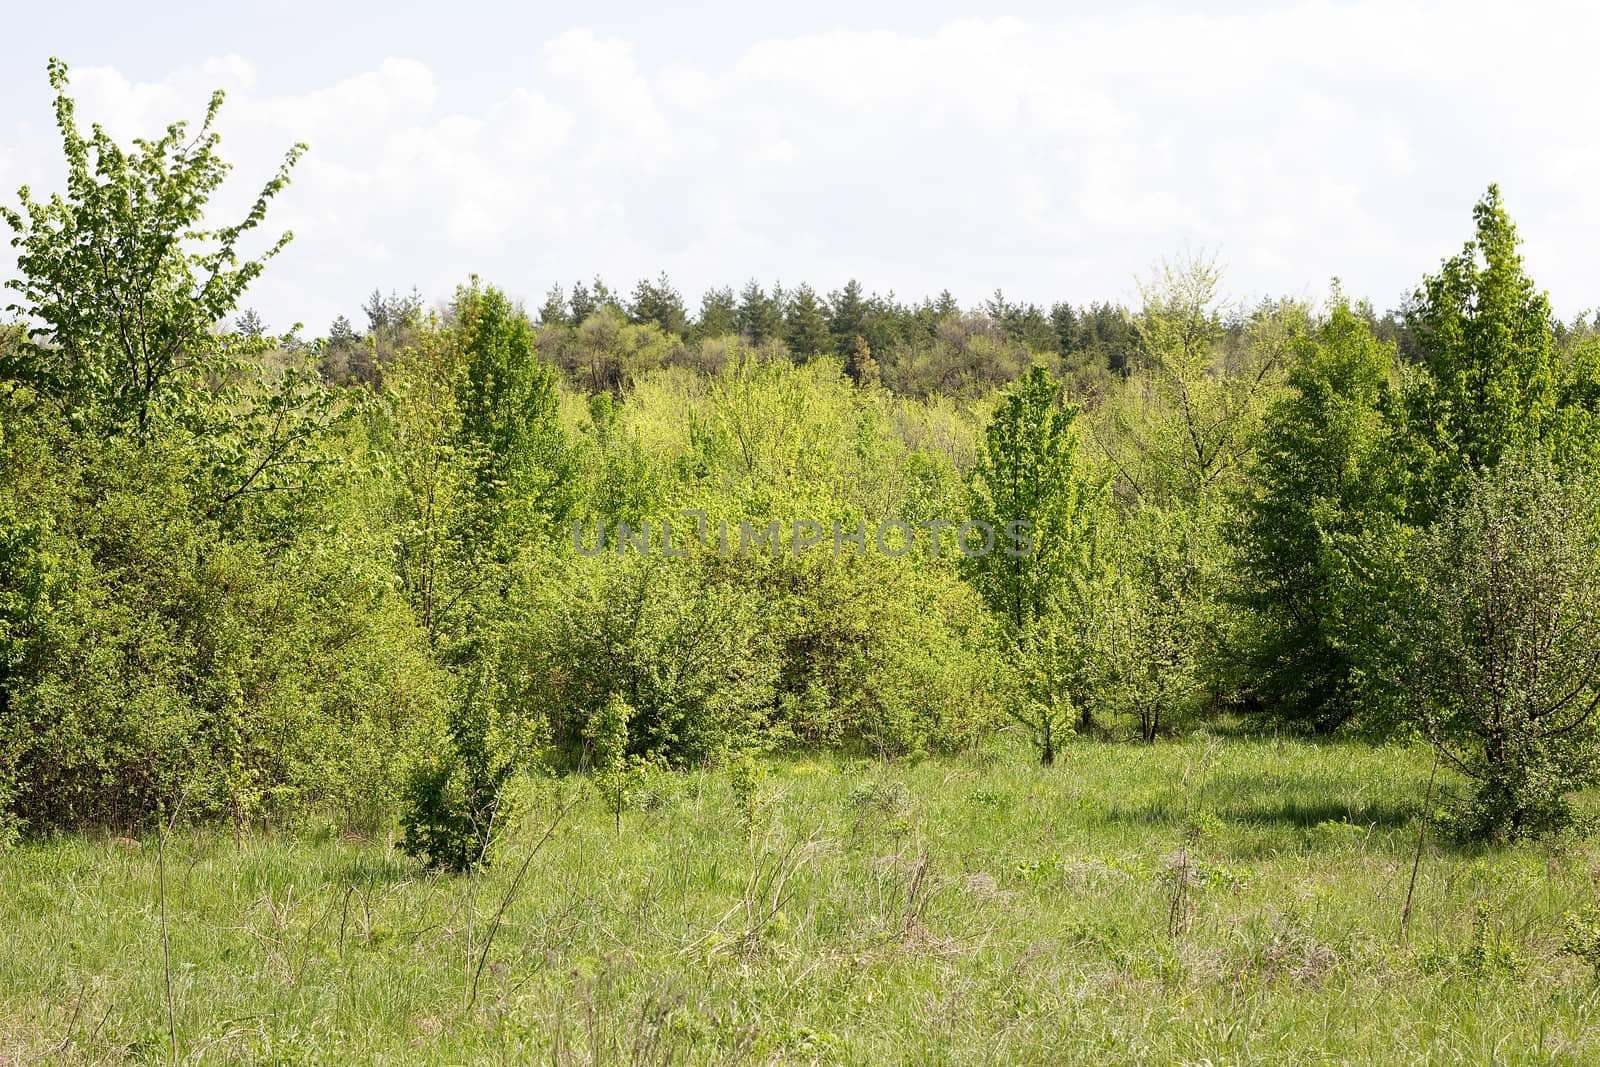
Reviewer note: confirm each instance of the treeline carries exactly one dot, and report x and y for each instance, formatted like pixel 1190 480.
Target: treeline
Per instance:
pixel 604 340
pixel 252 577
pixel 931 347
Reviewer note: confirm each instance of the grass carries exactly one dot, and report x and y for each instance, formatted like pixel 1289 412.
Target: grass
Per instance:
pixel 1203 901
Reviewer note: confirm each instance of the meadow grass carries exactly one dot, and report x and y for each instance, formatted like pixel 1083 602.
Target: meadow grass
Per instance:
pixel 1203 901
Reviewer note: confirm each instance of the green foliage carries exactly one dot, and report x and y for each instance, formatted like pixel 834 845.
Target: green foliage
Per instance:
pixel 1485 334
pixel 264 576
pixel 1029 483
pixel 1581 936
pixel 616 772
pixel 148 657
pixel 1030 487
pixel 1151 621
pixel 747 777
pixel 461 800
pixel 1502 625
pixel 1325 484
pixel 511 437
pixel 122 273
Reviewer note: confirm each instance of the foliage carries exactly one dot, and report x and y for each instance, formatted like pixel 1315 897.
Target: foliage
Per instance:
pixel 120 271
pixel 1324 486
pixel 1503 624
pixel 460 800
pixel 1152 618
pixel 1485 334
pixel 615 771
pixel 1030 488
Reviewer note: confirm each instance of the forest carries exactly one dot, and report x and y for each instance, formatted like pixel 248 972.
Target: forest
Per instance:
pixel 396 591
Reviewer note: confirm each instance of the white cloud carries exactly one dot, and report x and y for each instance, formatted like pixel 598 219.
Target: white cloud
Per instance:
pixel 1056 158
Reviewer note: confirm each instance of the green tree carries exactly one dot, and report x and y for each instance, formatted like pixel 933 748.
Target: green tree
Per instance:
pixel 1502 629
pixel 125 279
pixel 1150 619
pixel 1029 479
pixel 718 315
pixel 553 312
pixel 805 327
pixel 509 423
pixel 847 315
pixel 1485 334
pixel 659 303
pixel 759 317
pixel 1324 484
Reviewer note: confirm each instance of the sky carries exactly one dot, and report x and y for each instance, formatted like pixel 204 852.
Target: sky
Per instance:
pixel 1055 151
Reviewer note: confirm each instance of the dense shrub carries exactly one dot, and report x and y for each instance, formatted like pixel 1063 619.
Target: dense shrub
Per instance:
pixel 148 659
pixel 1502 622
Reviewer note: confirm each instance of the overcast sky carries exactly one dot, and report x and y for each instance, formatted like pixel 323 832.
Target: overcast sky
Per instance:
pixel 1057 152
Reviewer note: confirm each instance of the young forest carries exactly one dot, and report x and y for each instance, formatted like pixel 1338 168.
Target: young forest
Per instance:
pixel 794 674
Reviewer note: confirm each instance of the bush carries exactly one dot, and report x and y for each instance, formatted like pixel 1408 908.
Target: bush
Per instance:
pixel 1502 624
pixel 461 800
pixel 146 656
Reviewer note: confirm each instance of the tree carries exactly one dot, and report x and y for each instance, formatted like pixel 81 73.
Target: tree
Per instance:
pixel 718 315
pixel 1029 479
pixel 847 315
pixel 759 317
pixel 860 365
pixel 659 303
pixel 553 312
pixel 1324 486
pixel 1502 622
pixel 805 328
pixel 249 324
pixel 586 301
pixel 1485 334
pixel 1181 432
pixel 127 283
pixel 1150 614
pixel 460 801
pixel 510 426
pixel 1066 323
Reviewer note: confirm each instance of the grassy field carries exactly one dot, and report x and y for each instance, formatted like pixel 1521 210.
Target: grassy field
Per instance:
pixel 1207 901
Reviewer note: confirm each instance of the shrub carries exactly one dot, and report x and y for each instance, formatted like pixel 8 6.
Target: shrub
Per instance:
pixel 460 801
pixel 616 772
pixel 1502 625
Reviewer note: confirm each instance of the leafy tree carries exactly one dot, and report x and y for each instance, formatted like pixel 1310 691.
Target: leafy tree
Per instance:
pixel 1184 427
pixel 125 280
pixel 1151 618
pixel 510 427
pixel 615 771
pixel 1029 479
pixel 1324 486
pixel 1502 623
pixel 461 798
pixel 607 353
pixel 1485 335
